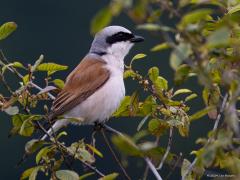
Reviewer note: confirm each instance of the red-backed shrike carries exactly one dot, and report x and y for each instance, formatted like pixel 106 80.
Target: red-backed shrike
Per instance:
pixel 95 88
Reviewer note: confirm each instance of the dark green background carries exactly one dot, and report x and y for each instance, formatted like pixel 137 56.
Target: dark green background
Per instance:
pixel 59 29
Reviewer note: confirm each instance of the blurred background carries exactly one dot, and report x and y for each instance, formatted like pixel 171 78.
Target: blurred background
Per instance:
pixel 60 30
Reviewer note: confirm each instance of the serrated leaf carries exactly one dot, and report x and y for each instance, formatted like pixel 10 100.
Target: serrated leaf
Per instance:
pixel 123 109
pixel 51 67
pixel 160 47
pixel 6 29
pixel 109 176
pixel 182 91
pixel 67 175
pixel 93 149
pixel 101 20
pixel 153 73
pixel 59 83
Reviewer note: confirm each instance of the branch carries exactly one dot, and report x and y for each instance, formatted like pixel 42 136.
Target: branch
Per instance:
pixel 147 160
pixel 167 150
pixel 210 139
pixel 114 155
pixel 153 169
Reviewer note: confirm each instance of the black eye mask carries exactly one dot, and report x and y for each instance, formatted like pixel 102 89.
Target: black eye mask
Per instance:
pixel 118 37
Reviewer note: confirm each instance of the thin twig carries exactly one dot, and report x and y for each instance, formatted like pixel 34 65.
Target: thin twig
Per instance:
pixel 212 137
pixel 114 155
pixel 153 169
pixel 167 150
pixel 147 160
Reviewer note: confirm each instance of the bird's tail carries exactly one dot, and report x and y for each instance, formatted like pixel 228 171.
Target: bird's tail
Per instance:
pixel 55 127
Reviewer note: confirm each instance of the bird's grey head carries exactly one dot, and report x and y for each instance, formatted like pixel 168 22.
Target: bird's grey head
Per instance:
pixel 114 40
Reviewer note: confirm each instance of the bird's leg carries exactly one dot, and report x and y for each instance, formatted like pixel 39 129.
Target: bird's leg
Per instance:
pixel 98 126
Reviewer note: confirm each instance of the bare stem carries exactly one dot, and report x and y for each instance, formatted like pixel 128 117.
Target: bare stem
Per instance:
pixel 114 155
pixel 210 139
pixel 167 150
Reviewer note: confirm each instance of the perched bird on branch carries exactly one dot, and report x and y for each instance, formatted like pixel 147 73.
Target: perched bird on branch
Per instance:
pixel 95 88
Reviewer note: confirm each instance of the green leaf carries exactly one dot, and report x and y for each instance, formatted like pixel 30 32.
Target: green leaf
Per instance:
pixel 149 27
pixel 153 73
pixel 184 170
pixel 181 74
pixel 101 20
pixel 157 127
pixel 137 57
pixel 42 153
pixel 154 27
pixel 27 128
pixel 234 9
pixel 6 29
pixel 12 110
pixel 182 91
pixel 30 173
pixel 123 109
pixel 160 47
pixel 18 65
pixel 218 38
pixel 94 150
pixel 67 175
pixel 194 17
pixel 25 79
pixel 200 113
pixel 84 176
pixel 109 177
pixel 59 83
pixel 33 145
pixel 126 145
pixel 51 67
pixel 160 84
pixel 180 54
pixel 63 133
pixel 190 97
pixel 129 73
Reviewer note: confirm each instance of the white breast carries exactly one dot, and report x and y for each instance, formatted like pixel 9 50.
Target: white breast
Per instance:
pixel 102 104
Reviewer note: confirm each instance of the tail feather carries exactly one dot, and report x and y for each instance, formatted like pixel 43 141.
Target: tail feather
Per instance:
pixel 55 127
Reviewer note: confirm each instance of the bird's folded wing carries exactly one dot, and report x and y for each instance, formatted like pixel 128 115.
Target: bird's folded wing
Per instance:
pixel 85 79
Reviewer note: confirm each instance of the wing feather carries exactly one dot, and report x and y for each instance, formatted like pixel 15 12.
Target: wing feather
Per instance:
pixel 85 79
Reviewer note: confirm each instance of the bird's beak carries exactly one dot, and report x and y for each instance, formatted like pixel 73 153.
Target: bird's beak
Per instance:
pixel 136 39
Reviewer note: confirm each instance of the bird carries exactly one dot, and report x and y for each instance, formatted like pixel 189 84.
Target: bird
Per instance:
pixel 95 88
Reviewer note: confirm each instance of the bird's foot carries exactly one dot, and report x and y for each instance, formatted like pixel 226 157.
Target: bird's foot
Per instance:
pixel 98 126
